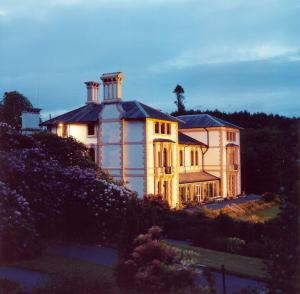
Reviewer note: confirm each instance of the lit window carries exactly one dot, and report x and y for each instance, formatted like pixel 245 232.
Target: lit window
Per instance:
pixel 64 130
pixel 91 129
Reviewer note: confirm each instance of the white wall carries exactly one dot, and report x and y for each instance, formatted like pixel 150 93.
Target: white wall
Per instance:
pixel 134 131
pixel 111 132
pixel 134 156
pixel 80 132
pixel 136 184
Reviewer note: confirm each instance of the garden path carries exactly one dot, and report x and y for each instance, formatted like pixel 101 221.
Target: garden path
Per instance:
pixel 108 257
pixel 28 279
pixel 220 205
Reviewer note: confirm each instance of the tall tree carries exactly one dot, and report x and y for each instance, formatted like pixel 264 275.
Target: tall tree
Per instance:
pixel 179 99
pixel 11 108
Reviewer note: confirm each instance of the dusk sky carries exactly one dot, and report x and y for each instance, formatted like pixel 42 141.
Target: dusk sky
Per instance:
pixel 227 54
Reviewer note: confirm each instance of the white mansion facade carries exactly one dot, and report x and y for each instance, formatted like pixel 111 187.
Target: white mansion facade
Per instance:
pixel 190 158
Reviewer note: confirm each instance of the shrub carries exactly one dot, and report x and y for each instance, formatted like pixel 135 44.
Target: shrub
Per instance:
pixel 255 249
pixel 270 197
pixel 67 202
pixel 68 151
pixel 235 245
pixel 18 237
pixel 153 266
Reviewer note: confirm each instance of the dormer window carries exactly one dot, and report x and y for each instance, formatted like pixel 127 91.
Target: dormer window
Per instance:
pixel 91 129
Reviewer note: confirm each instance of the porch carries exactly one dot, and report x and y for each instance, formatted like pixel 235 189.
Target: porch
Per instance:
pixel 198 187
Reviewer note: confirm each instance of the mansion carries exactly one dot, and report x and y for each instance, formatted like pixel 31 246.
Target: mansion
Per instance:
pixel 189 158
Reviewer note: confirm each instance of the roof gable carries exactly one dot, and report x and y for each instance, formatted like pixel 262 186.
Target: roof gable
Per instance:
pixel 187 140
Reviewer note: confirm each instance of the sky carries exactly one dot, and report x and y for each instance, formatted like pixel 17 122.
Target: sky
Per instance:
pixel 227 54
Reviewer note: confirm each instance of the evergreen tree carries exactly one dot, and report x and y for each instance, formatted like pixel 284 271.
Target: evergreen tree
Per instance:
pixel 11 108
pixel 179 99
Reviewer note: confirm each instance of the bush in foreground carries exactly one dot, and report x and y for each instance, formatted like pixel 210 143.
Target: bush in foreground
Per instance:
pixel 18 237
pixel 153 267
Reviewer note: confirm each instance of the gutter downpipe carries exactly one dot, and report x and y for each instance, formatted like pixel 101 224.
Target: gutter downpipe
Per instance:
pixel 203 152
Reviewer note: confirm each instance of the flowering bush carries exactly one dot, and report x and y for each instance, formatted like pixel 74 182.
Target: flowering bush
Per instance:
pixel 153 267
pixel 18 237
pixel 66 201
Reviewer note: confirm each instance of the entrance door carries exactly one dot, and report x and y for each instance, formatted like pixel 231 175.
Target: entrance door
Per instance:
pixel 232 185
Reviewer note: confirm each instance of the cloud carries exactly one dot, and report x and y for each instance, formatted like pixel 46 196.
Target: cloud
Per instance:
pixel 3 12
pixel 228 54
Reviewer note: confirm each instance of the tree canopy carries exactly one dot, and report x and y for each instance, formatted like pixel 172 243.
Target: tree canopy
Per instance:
pixel 179 99
pixel 11 108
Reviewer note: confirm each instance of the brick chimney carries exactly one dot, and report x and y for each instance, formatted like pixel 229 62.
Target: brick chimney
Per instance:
pixel 112 86
pixel 92 92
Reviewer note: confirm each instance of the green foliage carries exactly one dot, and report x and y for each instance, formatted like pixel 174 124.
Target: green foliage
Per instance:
pixel 11 108
pixel 153 267
pixel 235 245
pixel 64 201
pixel 68 151
pixel 285 251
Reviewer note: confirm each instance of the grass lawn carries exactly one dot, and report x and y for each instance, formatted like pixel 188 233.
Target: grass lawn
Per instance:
pixel 268 213
pixel 68 267
pixel 237 264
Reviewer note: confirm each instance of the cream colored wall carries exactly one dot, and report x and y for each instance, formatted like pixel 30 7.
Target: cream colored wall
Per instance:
pixel 150 136
pixel 215 158
pixel 80 132
pixel 187 167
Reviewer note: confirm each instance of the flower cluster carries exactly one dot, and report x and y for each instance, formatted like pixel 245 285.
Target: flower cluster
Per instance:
pixel 17 232
pixel 68 202
pixel 153 266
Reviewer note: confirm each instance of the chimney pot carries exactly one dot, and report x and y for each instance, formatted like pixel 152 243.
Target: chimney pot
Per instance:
pixel 92 92
pixel 112 86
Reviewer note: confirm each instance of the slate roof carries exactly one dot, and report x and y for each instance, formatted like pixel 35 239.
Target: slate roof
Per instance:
pixel 90 113
pixel 135 109
pixel 185 139
pixel 196 177
pixel 86 113
pixel 204 121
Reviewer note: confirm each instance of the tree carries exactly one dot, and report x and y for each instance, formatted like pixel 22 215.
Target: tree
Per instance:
pixel 179 99
pixel 11 108
pixel 284 267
